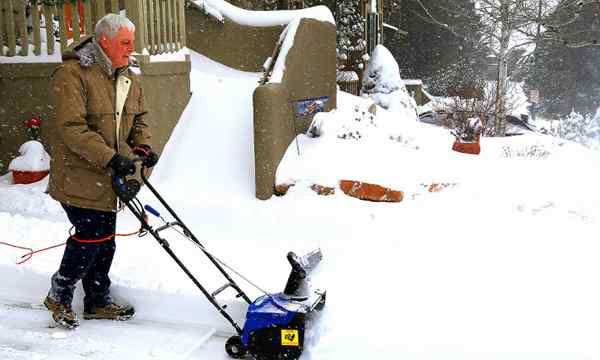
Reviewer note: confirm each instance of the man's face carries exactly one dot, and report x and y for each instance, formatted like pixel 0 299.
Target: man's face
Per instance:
pixel 119 47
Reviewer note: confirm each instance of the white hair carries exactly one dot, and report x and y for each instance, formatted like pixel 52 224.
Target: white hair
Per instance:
pixel 110 24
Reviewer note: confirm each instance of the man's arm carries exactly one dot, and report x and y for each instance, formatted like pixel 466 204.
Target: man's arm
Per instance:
pixel 71 124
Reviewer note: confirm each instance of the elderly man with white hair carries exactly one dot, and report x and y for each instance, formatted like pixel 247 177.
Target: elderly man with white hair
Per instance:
pixel 100 122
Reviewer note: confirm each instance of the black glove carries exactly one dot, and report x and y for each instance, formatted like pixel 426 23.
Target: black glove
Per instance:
pixel 149 157
pixel 122 166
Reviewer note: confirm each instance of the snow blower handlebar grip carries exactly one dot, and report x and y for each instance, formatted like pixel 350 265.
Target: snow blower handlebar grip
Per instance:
pixel 151 210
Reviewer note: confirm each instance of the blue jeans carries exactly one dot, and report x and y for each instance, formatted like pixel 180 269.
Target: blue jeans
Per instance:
pixel 88 262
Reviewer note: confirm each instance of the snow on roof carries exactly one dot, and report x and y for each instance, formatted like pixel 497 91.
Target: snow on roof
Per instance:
pixel 264 18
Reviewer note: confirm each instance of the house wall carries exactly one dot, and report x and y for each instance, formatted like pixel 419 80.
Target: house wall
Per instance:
pixel 24 89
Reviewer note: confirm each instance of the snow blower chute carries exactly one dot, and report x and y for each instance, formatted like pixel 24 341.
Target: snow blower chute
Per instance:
pixel 275 323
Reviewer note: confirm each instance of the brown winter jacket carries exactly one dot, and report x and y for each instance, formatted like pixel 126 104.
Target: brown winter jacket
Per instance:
pixel 89 100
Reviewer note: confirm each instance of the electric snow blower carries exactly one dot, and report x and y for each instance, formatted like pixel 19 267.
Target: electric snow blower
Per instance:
pixel 275 323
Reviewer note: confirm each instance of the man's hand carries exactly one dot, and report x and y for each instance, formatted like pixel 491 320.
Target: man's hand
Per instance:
pixel 122 166
pixel 149 157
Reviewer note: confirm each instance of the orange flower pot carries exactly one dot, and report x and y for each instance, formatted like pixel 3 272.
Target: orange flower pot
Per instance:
pixel 467 148
pixel 28 177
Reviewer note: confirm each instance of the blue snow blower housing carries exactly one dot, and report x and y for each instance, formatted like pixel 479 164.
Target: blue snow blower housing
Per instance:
pixel 275 323
pixel 274 327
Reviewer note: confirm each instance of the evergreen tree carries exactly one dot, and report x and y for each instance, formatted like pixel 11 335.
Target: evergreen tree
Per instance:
pixel 568 77
pixel 350 30
pixel 432 49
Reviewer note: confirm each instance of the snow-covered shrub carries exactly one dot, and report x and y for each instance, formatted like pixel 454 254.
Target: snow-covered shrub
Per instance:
pixel 362 121
pixel 584 130
pixel 532 151
pixel 382 83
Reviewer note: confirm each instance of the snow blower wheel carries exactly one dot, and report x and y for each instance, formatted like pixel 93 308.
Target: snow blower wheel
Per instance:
pixel 235 348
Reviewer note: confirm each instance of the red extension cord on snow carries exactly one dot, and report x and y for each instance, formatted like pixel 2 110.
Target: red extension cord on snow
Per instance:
pixel 26 257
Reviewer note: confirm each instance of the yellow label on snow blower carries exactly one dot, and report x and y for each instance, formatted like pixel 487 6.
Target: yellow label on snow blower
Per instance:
pixel 289 337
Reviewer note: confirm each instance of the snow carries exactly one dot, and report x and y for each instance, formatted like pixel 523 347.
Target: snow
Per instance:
pixel 286 42
pixel 32 157
pixel 44 57
pixel 179 55
pixel 500 264
pixel 265 18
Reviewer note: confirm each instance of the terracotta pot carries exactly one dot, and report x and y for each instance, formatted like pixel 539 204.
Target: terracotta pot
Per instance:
pixel 467 148
pixel 28 177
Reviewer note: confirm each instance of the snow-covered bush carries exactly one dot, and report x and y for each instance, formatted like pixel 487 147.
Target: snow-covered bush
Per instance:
pixel 363 121
pixel 382 83
pixel 532 151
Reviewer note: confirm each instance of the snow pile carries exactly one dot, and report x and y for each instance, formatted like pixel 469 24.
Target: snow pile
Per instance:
pixel 221 8
pixel 382 83
pixel 361 119
pixel 32 157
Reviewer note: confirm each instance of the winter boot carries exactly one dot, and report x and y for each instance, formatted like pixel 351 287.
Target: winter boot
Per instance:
pixel 62 313
pixel 111 311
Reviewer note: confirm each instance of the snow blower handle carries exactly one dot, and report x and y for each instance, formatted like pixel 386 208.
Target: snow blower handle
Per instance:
pixel 152 211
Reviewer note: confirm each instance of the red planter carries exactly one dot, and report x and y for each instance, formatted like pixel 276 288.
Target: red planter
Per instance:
pixel 467 148
pixel 28 177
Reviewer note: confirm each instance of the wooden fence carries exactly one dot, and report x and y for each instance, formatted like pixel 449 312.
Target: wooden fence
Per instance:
pixel 160 24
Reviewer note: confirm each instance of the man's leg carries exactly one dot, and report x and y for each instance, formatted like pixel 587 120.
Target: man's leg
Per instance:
pixel 96 282
pixel 77 259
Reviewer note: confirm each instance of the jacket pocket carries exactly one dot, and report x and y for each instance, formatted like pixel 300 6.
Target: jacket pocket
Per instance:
pixel 86 183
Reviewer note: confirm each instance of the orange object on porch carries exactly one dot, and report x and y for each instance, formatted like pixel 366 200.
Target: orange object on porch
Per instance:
pixel 28 177
pixel 467 148
pixel 69 18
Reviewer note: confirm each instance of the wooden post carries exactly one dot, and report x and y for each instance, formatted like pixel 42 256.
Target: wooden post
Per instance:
pixel 157 21
pixel 135 13
pixel 176 33
pixel 169 25
pixel 2 22
pixel 22 25
pixel 48 15
pixel 89 21
pixel 114 6
pixel 10 28
pixel 100 10
pixel 62 24
pixel 146 23
pixel 37 41
pixel 151 21
pixel 182 30
pixel 75 19
pixel 163 26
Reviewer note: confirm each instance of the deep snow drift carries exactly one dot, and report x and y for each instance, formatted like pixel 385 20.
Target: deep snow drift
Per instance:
pixel 501 264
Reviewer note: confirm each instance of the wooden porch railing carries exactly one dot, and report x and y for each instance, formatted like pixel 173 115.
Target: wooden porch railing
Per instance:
pixel 160 24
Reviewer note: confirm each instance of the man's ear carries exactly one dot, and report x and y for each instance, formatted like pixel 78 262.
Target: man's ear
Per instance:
pixel 103 41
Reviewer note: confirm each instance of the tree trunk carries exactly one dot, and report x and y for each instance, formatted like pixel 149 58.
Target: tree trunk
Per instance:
pixel 505 34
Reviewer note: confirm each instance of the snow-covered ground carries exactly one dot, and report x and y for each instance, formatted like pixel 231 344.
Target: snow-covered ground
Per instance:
pixel 500 264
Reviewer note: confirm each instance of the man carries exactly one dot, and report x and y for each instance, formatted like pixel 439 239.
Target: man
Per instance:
pixel 100 122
